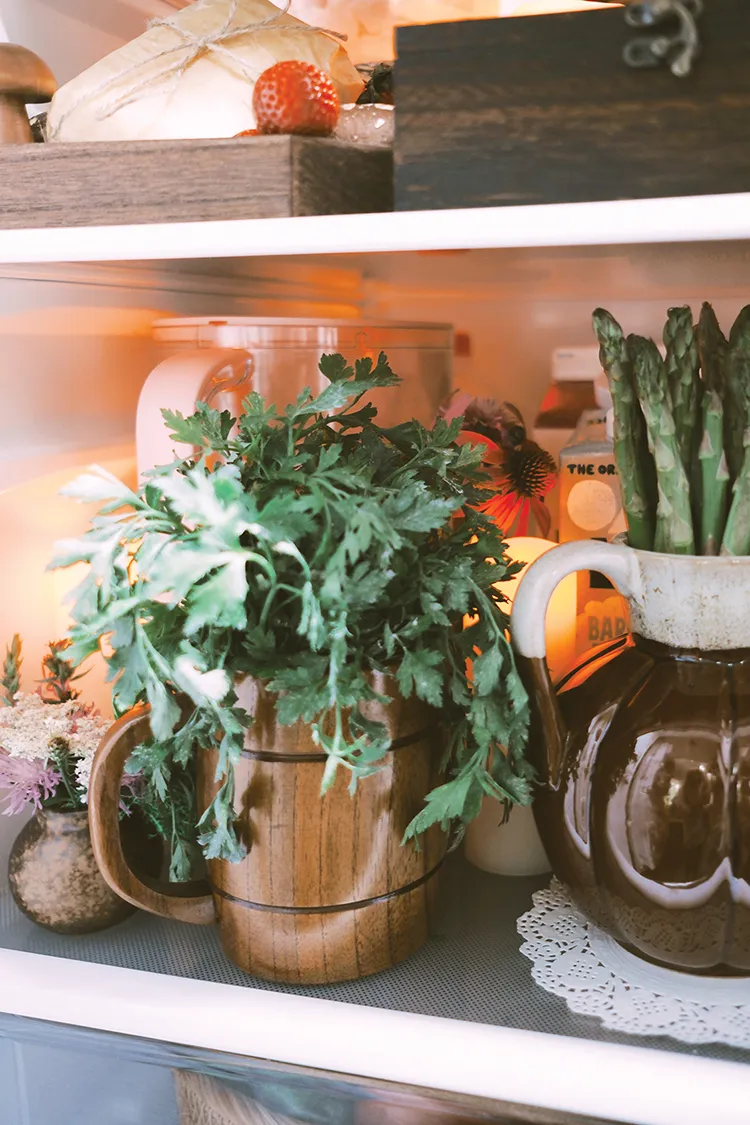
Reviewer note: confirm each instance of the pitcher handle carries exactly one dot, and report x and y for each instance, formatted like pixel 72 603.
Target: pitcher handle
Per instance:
pixel 616 562
pixel 185 902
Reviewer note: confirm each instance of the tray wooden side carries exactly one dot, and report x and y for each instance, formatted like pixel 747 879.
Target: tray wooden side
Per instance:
pixel 56 185
pixel 544 110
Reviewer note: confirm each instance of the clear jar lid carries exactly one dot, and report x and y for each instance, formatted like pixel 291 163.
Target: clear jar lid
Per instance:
pixel 351 337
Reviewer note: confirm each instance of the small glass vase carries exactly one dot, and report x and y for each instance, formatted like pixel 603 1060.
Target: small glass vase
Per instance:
pixel 54 878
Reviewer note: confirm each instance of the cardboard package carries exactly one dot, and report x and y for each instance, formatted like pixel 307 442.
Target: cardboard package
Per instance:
pixel 591 508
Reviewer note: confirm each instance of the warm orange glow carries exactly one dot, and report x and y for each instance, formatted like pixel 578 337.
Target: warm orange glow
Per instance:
pixel 549 7
pixel 34 516
pixel 561 613
pixel 369 24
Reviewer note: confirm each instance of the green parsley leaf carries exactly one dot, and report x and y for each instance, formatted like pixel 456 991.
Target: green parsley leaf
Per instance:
pixel 419 674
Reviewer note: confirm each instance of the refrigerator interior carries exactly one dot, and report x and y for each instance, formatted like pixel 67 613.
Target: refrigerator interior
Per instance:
pixel 76 348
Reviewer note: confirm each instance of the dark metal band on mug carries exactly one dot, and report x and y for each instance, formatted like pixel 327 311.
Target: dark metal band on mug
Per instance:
pixel 270 756
pixel 339 908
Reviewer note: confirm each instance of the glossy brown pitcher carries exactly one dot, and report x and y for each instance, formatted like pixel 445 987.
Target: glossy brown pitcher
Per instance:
pixel 644 754
pixel 326 892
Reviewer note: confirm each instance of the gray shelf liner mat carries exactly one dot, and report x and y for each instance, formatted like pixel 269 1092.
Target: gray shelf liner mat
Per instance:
pixel 471 968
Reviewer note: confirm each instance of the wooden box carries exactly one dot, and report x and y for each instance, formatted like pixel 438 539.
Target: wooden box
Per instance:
pixel 543 109
pixel 54 185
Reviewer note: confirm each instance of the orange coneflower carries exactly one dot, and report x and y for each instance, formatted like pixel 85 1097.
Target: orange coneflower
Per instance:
pixel 524 478
pixel 522 472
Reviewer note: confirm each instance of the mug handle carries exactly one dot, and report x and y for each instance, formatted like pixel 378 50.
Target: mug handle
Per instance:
pixel 185 902
pixel 527 625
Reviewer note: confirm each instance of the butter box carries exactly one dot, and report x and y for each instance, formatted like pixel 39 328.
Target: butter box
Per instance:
pixel 590 496
pixel 591 508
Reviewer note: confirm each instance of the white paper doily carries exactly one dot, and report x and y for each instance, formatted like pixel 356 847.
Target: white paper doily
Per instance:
pixel 574 959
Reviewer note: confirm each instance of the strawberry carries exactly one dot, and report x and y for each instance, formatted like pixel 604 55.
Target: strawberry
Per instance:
pixel 295 97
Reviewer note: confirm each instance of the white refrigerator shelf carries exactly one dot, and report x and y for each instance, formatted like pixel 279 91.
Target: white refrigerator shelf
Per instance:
pixel 463 1015
pixel 609 223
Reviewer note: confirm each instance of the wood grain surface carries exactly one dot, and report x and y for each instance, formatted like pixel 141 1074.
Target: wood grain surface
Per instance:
pixel 543 110
pixel 187 902
pixel 327 892
pixel 54 185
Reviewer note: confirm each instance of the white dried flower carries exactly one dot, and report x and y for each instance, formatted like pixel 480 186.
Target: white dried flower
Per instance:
pixel 83 774
pixel 32 729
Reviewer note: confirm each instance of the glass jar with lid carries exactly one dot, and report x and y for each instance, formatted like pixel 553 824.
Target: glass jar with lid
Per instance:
pixel 220 360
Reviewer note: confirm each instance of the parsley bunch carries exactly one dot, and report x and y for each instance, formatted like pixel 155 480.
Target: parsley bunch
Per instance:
pixel 307 548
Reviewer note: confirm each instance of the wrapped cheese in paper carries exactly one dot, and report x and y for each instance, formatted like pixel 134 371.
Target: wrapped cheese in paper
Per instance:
pixel 192 74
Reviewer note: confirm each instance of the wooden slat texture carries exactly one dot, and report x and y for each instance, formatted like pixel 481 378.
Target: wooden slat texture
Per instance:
pixel 327 891
pixel 544 110
pixel 63 185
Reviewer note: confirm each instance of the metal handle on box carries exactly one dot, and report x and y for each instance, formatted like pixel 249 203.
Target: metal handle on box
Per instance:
pixel 678 48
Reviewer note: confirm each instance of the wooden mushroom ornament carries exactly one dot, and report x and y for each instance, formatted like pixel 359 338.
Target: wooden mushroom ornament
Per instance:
pixel 24 80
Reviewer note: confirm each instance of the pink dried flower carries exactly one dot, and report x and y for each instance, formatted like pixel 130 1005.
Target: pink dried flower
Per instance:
pixel 29 782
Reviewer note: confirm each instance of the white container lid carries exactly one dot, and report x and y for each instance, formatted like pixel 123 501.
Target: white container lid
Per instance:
pixel 252 333
pixel 602 393
pixel 575 365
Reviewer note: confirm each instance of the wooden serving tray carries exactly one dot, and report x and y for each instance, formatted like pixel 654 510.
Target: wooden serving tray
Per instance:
pixel 102 184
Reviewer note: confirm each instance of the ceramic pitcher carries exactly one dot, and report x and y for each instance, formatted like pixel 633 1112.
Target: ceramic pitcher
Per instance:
pixel 643 753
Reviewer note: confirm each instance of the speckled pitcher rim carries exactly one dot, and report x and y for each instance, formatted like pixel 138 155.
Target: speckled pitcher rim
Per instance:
pixel 722 561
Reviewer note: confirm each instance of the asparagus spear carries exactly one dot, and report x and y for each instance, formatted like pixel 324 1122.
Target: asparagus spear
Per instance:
pixel 674 520
pixel 684 384
pixel 737 532
pixel 634 462
pixel 714 473
pixel 737 393
pixel 737 436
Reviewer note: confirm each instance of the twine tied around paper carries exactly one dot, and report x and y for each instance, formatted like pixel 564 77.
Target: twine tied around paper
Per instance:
pixel 193 47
